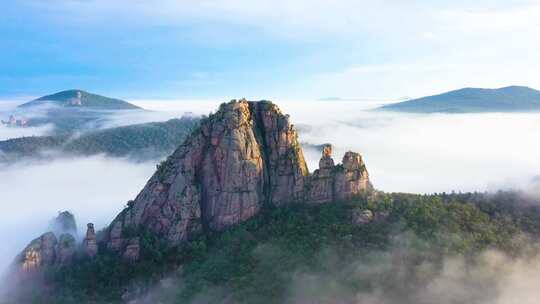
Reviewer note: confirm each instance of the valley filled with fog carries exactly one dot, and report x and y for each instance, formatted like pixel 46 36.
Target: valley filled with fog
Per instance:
pixel 419 153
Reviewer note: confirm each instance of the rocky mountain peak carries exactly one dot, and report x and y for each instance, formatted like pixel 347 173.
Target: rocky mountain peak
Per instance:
pixel 241 158
pixel 64 222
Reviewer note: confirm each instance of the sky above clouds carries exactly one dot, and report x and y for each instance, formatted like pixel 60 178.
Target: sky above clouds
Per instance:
pixel 267 49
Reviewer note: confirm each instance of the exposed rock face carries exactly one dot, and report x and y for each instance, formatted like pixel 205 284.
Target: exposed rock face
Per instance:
pixel 241 158
pixel 132 250
pixel 49 250
pixel 244 156
pixel 326 162
pixel 338 182
pixel 90 241
pixel 353 178
pixel 362 217
pixel 39 253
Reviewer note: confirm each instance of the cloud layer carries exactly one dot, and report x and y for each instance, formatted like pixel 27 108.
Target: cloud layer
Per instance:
pixel 94 189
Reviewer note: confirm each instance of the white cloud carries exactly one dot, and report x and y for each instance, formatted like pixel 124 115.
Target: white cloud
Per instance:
pixel 423 152
pixel 444 44
pixel 95 189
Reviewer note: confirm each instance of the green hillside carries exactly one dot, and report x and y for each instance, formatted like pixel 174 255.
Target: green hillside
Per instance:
pixel 316 254
pixel 140 141
pixel 471 100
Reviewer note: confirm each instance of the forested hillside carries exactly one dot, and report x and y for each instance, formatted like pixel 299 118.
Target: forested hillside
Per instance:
pixel 387 246
pixel 141 141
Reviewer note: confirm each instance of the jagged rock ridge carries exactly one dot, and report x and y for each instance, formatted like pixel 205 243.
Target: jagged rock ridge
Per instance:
pixel 243 157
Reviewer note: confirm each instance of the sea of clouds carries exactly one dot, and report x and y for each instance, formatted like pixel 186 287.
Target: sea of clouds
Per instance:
pixel 403 152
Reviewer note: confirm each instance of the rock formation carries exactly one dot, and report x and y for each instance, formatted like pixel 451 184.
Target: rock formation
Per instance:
pixel 40 252
pixel 338 182
pixel 90 242
pixel 132 250
pixel 48 249
pixel 241 158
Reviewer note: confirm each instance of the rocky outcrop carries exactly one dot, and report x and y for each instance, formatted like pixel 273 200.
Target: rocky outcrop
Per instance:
pixel 39 253
pixel 243 157
pixel 361 217
pixel 338 182
pixel 240 159
pixel 352 177
pixel 133 249
pixel 48 249
pixel 90 245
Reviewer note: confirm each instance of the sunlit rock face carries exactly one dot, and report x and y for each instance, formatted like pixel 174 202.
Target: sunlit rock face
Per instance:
pixel 338 182
pixel 241 158
pixel 39 253
pixel 51 248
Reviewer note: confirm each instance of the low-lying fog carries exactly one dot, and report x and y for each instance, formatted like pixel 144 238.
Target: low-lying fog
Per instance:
pixel 403 152
pixel 414 152
pixel 93 188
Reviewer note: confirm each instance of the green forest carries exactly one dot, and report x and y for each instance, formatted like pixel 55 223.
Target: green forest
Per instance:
pixel 140 142
pixel 307 253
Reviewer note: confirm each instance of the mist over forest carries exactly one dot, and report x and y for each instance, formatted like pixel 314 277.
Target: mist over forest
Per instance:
pixel 414 153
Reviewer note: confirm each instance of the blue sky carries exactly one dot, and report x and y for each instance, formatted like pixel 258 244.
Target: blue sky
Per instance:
pixel 266 49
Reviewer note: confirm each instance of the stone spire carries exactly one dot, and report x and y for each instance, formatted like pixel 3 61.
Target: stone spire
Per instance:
pixel 326 163
pixel 90 242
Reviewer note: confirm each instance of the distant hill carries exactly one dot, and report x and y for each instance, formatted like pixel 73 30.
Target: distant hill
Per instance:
pixel 72 111
pixel 81 99
pixel 470 100
pixel 139 142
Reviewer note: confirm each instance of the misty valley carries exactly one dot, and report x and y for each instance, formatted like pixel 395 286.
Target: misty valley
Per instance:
pixel 194 201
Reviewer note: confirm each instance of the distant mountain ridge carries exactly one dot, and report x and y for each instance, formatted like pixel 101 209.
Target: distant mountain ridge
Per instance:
pixel 139 142
pixel 471 100
pixel 81 99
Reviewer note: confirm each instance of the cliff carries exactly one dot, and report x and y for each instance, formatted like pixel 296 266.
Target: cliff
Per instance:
pixel 242 158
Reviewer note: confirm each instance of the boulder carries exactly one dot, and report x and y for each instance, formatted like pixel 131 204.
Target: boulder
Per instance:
pixel 362 216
